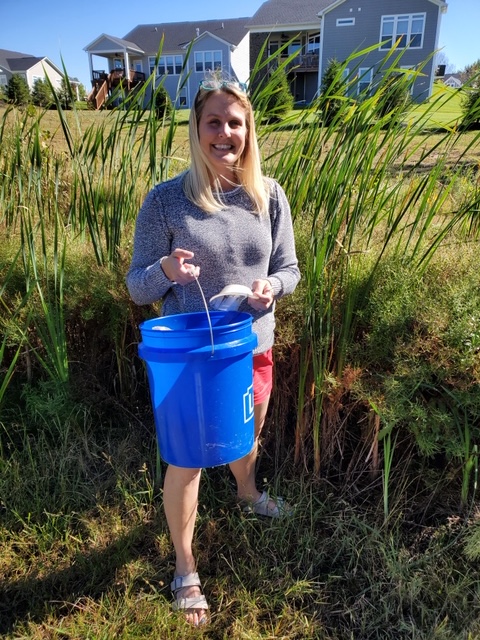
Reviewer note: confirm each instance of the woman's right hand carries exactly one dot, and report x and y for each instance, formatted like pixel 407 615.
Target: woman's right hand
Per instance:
pixel 179 271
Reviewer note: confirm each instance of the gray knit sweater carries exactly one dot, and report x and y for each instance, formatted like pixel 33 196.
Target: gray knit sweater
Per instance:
pixel 231 246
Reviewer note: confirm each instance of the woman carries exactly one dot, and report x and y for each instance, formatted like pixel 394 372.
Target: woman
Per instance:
pixel 224 223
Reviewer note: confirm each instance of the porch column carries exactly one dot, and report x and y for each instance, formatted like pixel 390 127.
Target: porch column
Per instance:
pixel 90 66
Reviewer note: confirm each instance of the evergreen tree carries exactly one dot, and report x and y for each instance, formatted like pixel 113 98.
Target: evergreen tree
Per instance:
pixel 471 74
pixel 17 90
pixel 332 91
pixel 275 96
pixel 65 94
pixel 471 109
pixel 394 98
pixel 42 93
pixel 162 102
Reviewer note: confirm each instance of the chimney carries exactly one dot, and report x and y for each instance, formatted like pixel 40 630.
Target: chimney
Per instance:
pixel 198 31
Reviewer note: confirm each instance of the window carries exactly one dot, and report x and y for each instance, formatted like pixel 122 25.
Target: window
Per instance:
pixel 411 77
pixel 208 61
pixel 171 65
pixel 273 47
pixel 313 44
pixel 182 97
pixel 138 65
pixel 345 22
pixel 294 47
pixel 364 83
pixel 3 80
pixel 408 29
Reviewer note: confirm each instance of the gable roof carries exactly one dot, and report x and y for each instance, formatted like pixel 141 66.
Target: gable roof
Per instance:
pixel 16 62
pixel 118 42
pixel 285 12
pixel 179 34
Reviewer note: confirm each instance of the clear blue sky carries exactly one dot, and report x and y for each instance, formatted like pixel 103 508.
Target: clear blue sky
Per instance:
pixel 62 28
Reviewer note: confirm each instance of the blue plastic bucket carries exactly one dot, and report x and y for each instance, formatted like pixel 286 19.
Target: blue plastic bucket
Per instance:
pixel 202 393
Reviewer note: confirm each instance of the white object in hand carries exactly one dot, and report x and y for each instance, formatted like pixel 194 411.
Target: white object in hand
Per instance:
pixel 230 297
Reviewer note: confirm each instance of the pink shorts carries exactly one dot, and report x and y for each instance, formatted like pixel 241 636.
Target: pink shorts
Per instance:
pixel 262 376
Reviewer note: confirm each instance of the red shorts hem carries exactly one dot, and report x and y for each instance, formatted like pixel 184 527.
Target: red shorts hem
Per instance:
pixel 262 376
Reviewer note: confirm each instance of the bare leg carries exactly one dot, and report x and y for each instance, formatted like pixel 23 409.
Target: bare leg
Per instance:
pixel 180 497
pixel 244 469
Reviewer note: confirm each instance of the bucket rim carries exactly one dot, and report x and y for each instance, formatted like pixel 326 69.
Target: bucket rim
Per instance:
pixel 242 318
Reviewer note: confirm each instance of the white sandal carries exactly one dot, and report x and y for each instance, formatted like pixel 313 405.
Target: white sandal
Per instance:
pixel 261 507
pixel 186 604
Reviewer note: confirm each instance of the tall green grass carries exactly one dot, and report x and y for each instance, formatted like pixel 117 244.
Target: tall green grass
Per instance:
pixel 367 185
pixel 363 188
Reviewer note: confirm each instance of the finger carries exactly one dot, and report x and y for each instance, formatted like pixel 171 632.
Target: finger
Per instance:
pixel 182 254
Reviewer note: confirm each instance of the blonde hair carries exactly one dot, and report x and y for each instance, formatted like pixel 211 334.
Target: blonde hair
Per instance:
pixel 197 182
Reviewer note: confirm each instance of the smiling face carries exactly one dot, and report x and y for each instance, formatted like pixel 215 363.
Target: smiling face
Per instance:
pixel 222 132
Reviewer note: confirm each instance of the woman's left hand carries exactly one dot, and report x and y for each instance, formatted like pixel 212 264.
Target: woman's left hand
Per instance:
pixel 263 295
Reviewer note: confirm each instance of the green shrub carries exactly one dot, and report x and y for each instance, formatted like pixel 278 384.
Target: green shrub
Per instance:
pixel 395 97
pixel 274 99
pixel 471 109
pixel 162 102
pixel 332 92
pixel 65 95
pixel 17 90
pixel 42 94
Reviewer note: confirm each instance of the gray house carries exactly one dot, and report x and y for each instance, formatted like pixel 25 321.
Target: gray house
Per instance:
pixel 323 30
pixel 213 44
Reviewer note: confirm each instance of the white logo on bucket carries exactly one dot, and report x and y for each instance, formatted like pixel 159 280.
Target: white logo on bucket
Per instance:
pixel 248 404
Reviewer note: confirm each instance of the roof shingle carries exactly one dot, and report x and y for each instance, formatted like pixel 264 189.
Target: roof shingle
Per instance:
pixel 288 12
pixel 178 34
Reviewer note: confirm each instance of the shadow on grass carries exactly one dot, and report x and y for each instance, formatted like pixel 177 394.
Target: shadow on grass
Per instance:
pixel 90 575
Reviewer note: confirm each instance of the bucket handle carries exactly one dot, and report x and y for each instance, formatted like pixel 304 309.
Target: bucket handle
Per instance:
pixel 206 309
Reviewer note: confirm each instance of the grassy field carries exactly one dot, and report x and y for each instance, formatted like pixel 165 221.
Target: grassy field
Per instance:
pixel 373 429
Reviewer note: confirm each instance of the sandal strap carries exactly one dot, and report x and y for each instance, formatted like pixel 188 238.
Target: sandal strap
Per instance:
pixel 190 580
pixel 199 602
pixel 261 507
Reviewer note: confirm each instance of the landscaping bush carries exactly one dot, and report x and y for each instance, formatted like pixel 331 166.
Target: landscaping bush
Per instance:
pixel 42 94
pixel 162 102
pixel 18 92
pixel 471 108
pixel 275 98
pixel 332 92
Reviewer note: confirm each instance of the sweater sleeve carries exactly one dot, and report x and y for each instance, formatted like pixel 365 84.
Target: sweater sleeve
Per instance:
pixel 283 271
pixel 146 280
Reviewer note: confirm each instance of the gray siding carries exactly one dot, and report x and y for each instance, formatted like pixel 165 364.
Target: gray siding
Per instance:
pixel 339 42
pixel 205 43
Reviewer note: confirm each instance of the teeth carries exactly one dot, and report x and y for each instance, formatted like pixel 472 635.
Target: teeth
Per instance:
pixel 223 147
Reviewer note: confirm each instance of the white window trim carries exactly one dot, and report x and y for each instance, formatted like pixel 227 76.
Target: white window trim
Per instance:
pixel 202 54
pixel 365 74
pixel 395 36
pixel 182 97
pixel 162 67
pixel 345 22
pixel 410 67
pixel 313 39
